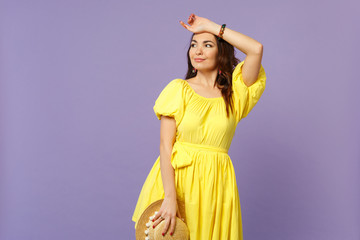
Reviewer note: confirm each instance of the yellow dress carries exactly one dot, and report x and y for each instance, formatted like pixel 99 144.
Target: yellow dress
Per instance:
pixel 204 174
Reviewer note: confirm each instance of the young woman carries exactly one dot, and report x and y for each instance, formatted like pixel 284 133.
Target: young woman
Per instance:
pixel 199 115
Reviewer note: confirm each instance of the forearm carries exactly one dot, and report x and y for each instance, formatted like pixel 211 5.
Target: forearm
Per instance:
pixel 167 172
pixel 242 42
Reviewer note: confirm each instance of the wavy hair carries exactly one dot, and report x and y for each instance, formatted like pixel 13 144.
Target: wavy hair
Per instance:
pixel 226 63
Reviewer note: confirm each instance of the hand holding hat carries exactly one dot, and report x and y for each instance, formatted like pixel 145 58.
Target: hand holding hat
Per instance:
pixel 167 214
pixel 145 230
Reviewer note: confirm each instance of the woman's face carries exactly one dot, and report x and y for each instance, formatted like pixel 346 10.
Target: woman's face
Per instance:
pixel 204 46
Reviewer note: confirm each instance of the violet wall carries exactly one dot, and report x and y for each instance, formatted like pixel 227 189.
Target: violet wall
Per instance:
pixel 78 135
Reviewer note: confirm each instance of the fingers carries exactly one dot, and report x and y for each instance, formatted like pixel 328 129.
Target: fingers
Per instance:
pixel 191 19
pixel 172 226
pixel 157 219
pixel 183 24
pixel 168 221
pixel 166 225
pixel 186 26
pixel 156 216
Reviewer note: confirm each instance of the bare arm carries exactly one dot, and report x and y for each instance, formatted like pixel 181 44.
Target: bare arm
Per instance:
pixel 169 209
pixel 167 138
pixel 252 48
pixel 242 42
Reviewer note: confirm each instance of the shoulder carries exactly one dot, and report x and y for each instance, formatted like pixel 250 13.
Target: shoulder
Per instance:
pixel 175 83
pixel 175 86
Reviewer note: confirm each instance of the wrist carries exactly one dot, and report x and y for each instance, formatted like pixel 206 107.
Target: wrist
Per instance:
pixel 170 196
pixel 214 28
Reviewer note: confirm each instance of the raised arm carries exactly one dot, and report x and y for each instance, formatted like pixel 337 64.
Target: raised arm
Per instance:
pixel 252 48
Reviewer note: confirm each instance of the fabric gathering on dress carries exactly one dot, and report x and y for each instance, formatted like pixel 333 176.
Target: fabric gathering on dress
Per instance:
pixel 204 174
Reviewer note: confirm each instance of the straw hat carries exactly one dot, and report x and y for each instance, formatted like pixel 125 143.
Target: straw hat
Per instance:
pixel 145 231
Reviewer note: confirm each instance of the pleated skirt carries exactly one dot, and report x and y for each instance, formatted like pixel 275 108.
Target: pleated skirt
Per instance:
pixel 205 180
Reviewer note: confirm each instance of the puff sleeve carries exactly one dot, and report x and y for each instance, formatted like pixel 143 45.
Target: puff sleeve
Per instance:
pixel 245 98
pixel 170 101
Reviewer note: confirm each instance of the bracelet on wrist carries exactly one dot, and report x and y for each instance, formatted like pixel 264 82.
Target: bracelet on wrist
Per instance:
pixel 220 35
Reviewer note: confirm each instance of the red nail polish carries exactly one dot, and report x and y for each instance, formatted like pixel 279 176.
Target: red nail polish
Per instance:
pixel 153 226
pixel 163 234
pixel 153 220
pixel 171 233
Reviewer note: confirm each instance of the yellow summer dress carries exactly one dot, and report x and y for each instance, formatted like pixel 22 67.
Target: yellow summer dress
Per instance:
pixel 204 174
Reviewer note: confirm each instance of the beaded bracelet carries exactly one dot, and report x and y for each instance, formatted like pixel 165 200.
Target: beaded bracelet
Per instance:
pixel 221 31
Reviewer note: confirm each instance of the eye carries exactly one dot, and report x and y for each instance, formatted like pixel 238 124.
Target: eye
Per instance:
pixel 192 45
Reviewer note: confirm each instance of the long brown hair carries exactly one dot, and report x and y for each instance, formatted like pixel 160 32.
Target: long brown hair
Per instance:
pixel 227 63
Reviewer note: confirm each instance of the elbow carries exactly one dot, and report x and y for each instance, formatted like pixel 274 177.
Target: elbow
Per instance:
pixel 259 49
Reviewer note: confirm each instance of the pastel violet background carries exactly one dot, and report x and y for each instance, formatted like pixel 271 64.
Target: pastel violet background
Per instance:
pixel 78 133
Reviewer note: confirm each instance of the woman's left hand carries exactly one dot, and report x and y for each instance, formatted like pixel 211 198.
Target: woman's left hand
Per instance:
pixel 197 24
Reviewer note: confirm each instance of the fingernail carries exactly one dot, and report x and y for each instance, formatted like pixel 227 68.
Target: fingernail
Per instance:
pixel 171 233
pixel 153 226
pixel 163 234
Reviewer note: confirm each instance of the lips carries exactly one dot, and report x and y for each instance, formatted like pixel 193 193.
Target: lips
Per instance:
pixel 199 59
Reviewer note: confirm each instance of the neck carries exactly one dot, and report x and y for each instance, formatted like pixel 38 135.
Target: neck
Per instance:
pixel 206 78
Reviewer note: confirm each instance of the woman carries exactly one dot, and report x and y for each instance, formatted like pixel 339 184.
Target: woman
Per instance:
pixel 198 117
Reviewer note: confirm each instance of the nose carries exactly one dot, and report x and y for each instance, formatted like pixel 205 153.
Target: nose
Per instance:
pixel 198 50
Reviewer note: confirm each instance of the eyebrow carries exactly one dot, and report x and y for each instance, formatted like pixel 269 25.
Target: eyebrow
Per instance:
pixel 203 41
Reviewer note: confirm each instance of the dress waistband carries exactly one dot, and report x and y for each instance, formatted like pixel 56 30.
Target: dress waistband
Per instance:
pixel 202 147
pixel 180 157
